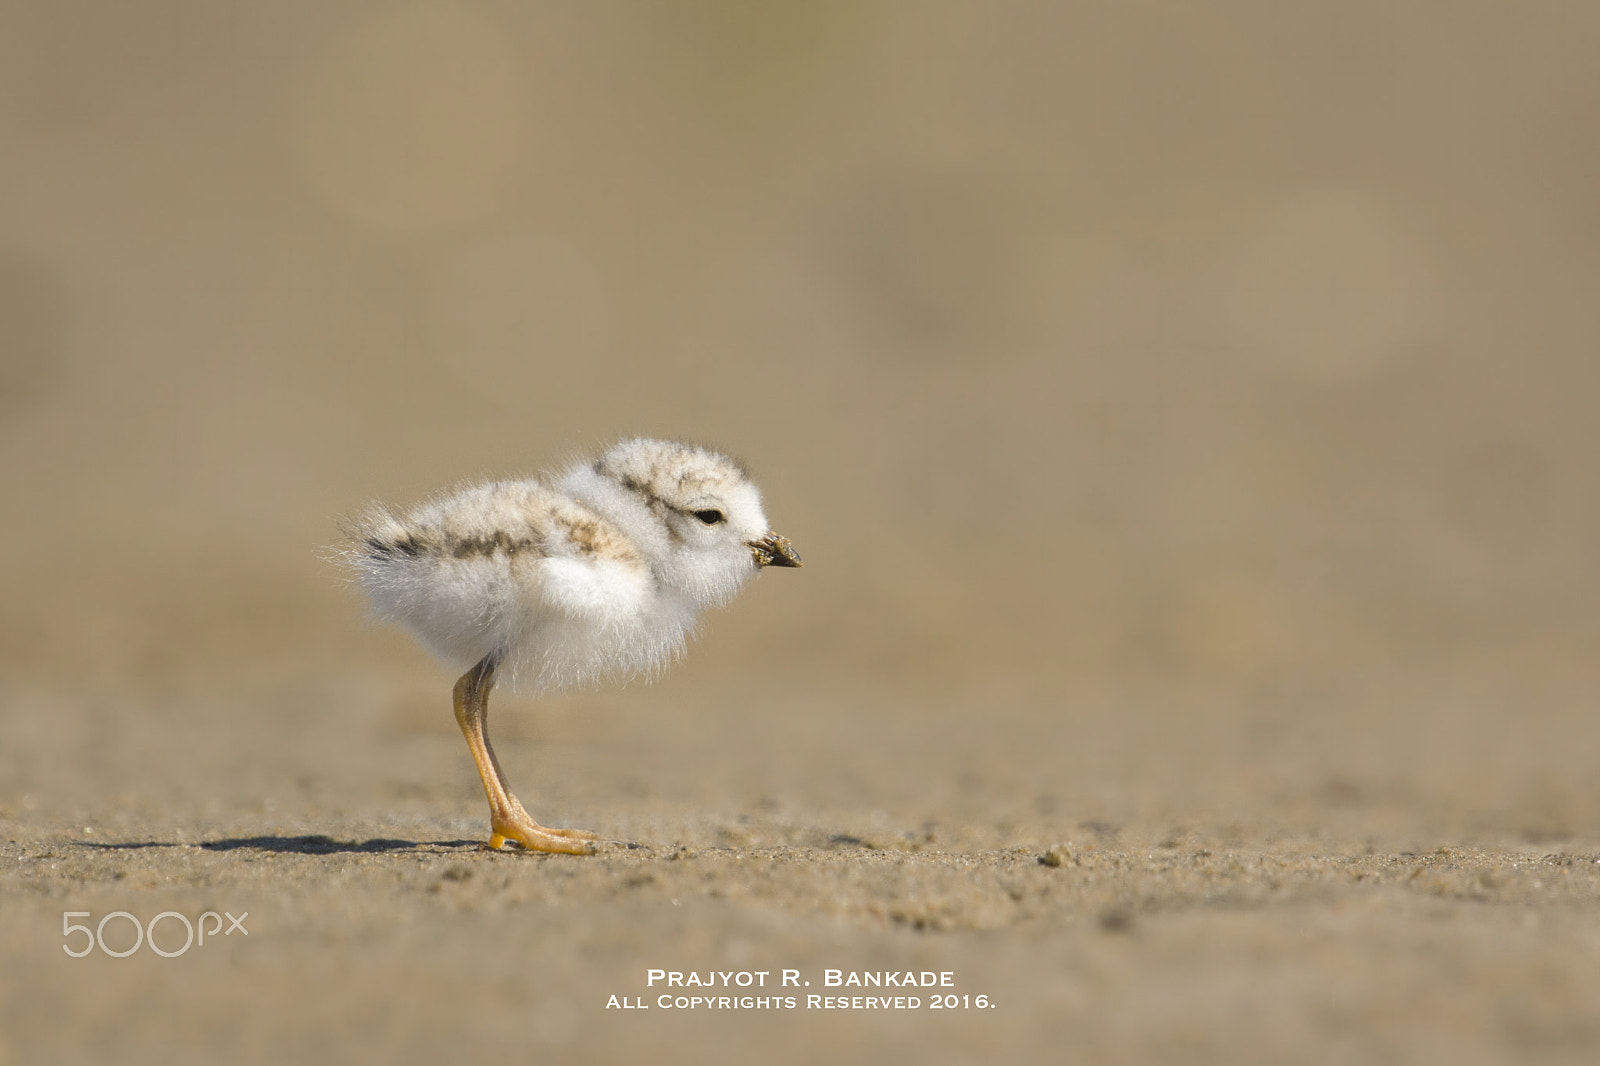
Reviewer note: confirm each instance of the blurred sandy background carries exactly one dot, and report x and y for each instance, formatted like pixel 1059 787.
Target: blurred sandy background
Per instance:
pixel 1186 413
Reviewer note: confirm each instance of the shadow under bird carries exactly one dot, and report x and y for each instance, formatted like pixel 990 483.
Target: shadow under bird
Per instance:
pixel 597 575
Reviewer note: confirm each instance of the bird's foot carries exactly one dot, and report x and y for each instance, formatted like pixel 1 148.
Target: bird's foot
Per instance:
pixel 535 837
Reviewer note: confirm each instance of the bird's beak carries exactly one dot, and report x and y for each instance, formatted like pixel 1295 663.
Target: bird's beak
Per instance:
pixel 773 550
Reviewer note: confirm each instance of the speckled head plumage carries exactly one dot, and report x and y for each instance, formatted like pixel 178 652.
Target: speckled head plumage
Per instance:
pixel 694 513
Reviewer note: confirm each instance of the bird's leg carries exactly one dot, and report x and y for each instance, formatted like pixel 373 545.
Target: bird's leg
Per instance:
pixel 507 819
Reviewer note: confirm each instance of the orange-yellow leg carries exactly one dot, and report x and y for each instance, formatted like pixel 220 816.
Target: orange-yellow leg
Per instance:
pixel 507 819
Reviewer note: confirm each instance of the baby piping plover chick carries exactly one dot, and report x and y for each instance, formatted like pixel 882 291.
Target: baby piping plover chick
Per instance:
pixel 600 574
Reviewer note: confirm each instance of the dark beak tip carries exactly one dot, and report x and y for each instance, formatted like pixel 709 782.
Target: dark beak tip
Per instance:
pixel 774 550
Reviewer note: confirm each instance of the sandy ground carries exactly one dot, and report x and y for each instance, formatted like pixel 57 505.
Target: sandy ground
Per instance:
pixel 1186 413
pixel 1137 901
pixel 381 948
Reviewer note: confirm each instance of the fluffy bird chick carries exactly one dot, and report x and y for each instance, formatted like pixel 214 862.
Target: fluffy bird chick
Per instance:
pixel 599 575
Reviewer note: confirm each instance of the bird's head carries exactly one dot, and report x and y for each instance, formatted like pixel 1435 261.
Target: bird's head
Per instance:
pixel 695 513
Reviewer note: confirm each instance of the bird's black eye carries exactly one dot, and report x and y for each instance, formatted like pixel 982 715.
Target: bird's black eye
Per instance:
pixel 710 518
